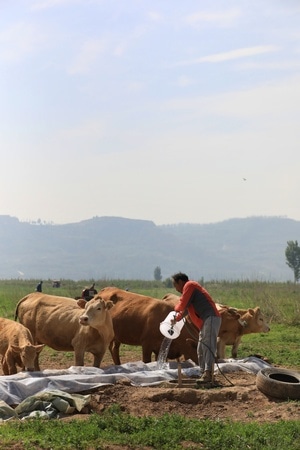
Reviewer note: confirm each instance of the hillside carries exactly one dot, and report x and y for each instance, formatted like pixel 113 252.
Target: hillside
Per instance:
pixel 120 248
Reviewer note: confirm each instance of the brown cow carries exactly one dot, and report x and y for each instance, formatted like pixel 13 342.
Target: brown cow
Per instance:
pixel 171 298
pixel 16 347
pixel 235 323
pixel 136 320
pixel 61 324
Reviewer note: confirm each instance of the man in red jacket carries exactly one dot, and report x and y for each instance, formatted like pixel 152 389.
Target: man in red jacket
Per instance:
pixel 197 302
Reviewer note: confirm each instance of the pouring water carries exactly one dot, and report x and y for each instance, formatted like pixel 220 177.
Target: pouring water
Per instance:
pixel 171 331
pixel 163 354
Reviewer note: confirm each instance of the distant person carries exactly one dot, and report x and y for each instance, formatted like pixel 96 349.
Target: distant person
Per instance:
pixel 39 287
pixel 197 302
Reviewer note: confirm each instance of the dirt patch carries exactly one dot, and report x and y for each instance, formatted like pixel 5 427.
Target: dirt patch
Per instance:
pixel 240 402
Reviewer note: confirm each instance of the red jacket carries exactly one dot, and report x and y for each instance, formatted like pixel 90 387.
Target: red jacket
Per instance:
pixel 196 301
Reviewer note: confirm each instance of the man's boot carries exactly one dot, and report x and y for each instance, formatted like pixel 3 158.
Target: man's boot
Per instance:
pixel 206 377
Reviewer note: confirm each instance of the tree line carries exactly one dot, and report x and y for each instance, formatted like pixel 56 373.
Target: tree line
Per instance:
pixel 292 254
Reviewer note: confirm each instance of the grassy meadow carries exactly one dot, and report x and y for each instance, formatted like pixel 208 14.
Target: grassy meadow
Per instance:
pixel 280 302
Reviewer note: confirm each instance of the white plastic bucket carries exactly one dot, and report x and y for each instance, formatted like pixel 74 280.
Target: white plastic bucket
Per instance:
pixel 167 329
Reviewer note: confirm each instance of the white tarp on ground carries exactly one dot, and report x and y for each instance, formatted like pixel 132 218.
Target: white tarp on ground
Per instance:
pixel 15 389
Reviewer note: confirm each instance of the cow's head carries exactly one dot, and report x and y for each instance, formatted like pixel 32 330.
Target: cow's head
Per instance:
pixel 95 312
pixel 171 298
pixel 27 353
pixel 256 320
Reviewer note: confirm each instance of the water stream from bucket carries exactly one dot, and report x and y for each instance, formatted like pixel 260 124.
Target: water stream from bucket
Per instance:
pixel 163 354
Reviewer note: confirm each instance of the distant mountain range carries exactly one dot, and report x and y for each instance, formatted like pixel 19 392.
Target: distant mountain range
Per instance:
pixel 119 248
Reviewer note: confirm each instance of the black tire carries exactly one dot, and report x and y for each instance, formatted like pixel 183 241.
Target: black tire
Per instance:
pixel 279 383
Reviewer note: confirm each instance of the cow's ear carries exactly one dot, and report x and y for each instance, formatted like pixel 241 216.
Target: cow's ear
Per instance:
pixel 39 348
pixel 81 303
pixel 109 304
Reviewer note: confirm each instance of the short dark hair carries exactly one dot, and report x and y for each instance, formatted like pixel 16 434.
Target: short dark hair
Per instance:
pixel 180 276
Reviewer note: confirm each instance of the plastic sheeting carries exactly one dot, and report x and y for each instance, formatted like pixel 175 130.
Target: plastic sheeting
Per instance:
pixel 46 404
pixel 14 389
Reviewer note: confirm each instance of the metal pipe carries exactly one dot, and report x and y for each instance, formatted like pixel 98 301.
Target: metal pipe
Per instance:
pixel 179 375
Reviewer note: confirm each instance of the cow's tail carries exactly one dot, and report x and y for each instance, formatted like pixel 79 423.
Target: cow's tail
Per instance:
pixel 18 304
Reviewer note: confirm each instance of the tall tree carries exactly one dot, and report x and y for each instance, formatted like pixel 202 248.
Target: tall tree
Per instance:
pixel 292 254
pixel 157 274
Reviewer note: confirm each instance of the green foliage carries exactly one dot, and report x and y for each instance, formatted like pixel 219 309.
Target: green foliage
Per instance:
pixel 168 283
pixel 168 432
pixel 157 273
pixel 292 254
pixel 280 302
pixel 280 346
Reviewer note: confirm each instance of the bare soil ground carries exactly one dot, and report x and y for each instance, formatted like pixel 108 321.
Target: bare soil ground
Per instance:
pixel 236 398
pixel 241 402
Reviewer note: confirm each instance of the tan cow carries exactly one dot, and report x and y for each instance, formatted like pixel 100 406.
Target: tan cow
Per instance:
pixel 61 324
pixel 136 320
pixel 250 321
pixel 16 347
pixel 235 323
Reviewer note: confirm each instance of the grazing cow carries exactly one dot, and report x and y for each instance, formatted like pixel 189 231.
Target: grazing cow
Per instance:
pixel 136 319
pixel 235 323
pixel 16 347
pixel 61 323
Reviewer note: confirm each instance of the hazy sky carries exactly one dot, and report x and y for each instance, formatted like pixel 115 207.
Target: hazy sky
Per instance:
pixel 171 111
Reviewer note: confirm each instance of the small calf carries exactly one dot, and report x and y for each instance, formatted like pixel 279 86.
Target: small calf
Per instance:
pixel 16 347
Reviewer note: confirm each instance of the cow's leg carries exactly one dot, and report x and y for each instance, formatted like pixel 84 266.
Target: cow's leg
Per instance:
pixel 9 363
pixel 79 356
pixel 235 347
pixel 114 348
pixel 5 366
pixel 98 358
pixel 220 348
pixel 147 353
